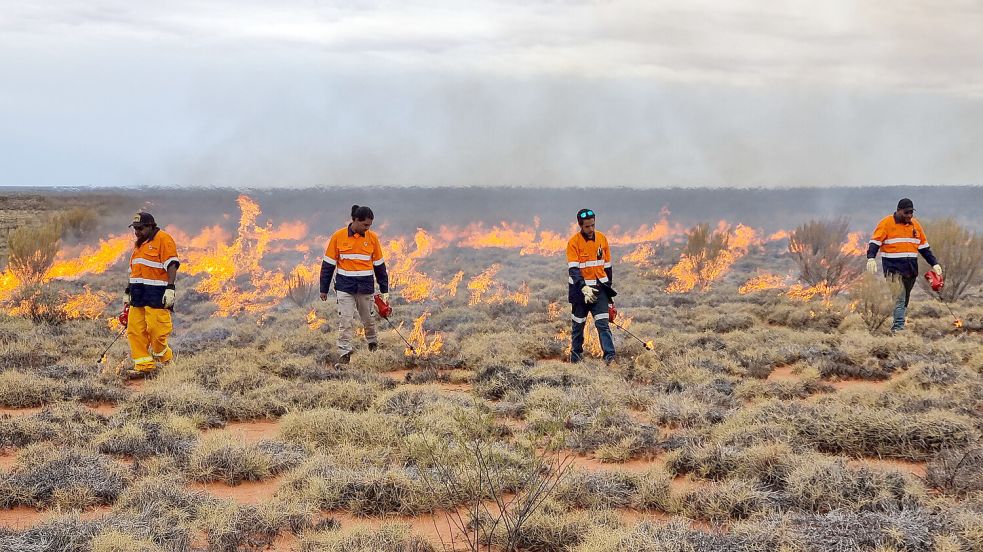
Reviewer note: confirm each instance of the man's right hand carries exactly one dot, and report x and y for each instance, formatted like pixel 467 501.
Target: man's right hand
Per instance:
pixel 126 297
pixel 590 296
pixel 872 266
pixel 324 296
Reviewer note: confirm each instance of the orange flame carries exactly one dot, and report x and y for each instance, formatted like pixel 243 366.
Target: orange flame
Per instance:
pixel 641 256
pixel 690 272
pixel 313 322
pixel 425 345
pixel 802 293
pixel 8 284
pixel 92 260
pixel 761 283
pixel 88 305
pixel 855 245
pixel 480 284
pixel 958 323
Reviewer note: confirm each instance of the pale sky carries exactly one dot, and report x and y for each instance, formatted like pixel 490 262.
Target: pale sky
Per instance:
pixel 301 93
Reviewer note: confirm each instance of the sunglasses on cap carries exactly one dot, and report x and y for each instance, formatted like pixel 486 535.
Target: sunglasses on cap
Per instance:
pixel 587 214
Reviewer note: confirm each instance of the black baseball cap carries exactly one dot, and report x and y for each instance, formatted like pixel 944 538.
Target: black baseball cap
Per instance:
pixel 906 203
pixel 584 214
pixel 143 219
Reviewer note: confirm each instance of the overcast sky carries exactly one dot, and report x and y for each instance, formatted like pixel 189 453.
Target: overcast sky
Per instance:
pixel 299 93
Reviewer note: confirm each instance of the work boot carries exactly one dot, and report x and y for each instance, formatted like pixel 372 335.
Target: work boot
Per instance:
pixel 345 358
pixel 373 346
pixel 132 374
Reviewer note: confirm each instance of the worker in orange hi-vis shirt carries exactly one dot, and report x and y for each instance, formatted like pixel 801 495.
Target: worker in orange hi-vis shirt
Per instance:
pixel 899 238
pixel 150 295
pixel 589 275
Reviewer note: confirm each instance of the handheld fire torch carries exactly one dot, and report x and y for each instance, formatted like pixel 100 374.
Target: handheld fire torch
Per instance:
pixel 123 318
pixel 937 283
pixel 384 311
pixel 612 314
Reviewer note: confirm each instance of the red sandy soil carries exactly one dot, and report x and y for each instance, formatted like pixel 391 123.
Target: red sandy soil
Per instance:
pixel 22 517
pixel 858 384
pixel 106 409
pixel 247 492
pixel 918 469
pixel 250 432
pixel 783 373
pixel 7 460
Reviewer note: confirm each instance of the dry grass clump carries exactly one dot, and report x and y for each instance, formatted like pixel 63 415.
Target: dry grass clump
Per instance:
pixel 733 499
pixel 554 527
pixel 208 406
pixel 224 458
pixel 164 494
pixel 118 541
pixel 697 406
pixel 822 485
pixel 598 489
pixel 677 534
pixel 49 476
pixel 585 419
pixel 805 316
pixel 172 436
pixel 903 529
pixel 64 424
pixel 959 472
pixel 859 430
pixel 232 527
pixel 21 390
pixel 766 464
pixel 874 297
pixel 364 490
pixel 70 533
pixel 387 538
pixel 328 427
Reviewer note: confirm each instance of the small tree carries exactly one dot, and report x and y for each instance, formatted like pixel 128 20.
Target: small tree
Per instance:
pixel 702 260
pixel 32 251
pixel 960 252
pixel 78 222
pixel 874 298
pixel 818 248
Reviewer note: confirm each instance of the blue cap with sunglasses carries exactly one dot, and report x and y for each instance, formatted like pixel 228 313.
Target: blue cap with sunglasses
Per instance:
pixel 584 214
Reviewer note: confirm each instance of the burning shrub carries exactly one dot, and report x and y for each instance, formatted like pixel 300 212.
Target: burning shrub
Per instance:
pixel 21 390
pixel 700 263
pixel 40 304
pixel 874 297
pixel 64 477
pixel 959 251
pixel 32 251
pixel 820 249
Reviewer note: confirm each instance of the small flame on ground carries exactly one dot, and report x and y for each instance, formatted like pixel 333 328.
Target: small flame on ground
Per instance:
pixel 958 323
pixel 313 322
pixel 761 283
pixel 426 345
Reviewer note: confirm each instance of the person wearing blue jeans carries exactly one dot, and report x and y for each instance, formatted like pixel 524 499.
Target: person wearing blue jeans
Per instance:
pixel 900 239
pixel 589 275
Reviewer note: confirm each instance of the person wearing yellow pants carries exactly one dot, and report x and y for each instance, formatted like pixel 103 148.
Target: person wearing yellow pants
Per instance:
pixel 150 295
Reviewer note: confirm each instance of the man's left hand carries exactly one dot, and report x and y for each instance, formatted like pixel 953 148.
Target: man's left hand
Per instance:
pixel 938 270
pixel 385 297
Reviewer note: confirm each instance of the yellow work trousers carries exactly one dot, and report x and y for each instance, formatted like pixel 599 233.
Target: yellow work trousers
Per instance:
pixel 147 330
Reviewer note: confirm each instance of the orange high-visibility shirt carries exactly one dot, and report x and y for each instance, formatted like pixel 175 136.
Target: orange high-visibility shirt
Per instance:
pixel 354 255
pixel 591 257
pixel 149 262
pixel 899 241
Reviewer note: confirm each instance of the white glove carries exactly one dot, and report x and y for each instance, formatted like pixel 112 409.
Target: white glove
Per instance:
pixel 168 298
pixel 872 266
pixel 590 295
pixel 938 270
pixel 126 297
pixel 385 297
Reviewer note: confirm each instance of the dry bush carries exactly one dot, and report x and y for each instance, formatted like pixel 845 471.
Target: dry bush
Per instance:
pixel 232 527
pixel 328 427
pixel 301 289
pixel 77 222
pixel 598 489
pixel 118 541
pixel 172 436
pixel 39 303
pixel 32 251
pixel 874 297
pixel 817 247
pixel 703 247
pixel 822 485
pixel 959 251
pixel 957 471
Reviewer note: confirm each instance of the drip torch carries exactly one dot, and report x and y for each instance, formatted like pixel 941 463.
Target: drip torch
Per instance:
pixel 613 314
pixel 123 318
pixel 937 283
pixel 384 311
